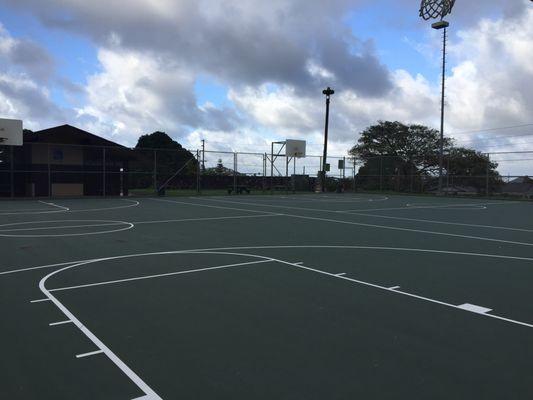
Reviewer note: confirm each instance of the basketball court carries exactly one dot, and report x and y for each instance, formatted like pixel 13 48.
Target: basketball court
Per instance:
pixel 277 296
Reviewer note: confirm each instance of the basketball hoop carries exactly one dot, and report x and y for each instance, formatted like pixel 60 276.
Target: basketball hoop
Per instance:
pixel 433 9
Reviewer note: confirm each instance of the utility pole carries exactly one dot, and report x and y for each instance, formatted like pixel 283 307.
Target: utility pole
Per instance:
pixel 203 155
pixel 327 92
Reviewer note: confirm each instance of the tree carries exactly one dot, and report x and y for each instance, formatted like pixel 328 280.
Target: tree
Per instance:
pixel 169 159
pixel 407 146
pixel 397 156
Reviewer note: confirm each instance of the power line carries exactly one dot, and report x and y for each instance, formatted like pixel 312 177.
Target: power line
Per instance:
pixel 493 138
pixel 492 129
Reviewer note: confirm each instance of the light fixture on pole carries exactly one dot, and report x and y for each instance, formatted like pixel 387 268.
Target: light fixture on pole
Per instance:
pixel 435 9
pixel 327 92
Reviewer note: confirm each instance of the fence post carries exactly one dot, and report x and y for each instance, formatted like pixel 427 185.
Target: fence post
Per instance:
pixel 49 173
pixel 353 174
pixel 381 173
pixel 487 176
pixel 11 172
pixel 235 172
pixel 272 168
pixel 155 172
pixel 103 172
pixel 198 172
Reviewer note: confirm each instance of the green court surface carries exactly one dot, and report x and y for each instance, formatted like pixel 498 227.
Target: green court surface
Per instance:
pixel 326 296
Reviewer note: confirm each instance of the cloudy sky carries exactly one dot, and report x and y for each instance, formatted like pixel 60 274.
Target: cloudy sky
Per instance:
pixel 243 73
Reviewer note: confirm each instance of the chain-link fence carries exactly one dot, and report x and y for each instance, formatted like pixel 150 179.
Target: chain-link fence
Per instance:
pixel 494 174
pixel 49 170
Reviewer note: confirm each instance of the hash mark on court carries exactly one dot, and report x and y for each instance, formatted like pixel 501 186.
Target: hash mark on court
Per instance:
pixel 60 322
pixel 474 308
pixel 91 353
pixel 39 300
pixel 394 287
pixel 341 274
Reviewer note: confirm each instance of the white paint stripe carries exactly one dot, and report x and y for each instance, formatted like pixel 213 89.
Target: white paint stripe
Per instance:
pixel 68 321
pixel 211 206
pixel 217 251
pixel 474 308
pixel 405 294
pixel 38 301
pixel 299 262
pixel 54 205
pixel 406 207
pixel 444 222
pixel 204 219
pixel 393 227
pixel 394 287
pixel 127 225
pixel 341 274
pixel 91 353
pixel 99 344
pixel 60 227
pixel 338 211
pixel 137 278
pixel 403 249
pixel 14 271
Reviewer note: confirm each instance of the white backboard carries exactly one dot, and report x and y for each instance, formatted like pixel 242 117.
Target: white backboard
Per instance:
pixel 295 148
pixel 10 132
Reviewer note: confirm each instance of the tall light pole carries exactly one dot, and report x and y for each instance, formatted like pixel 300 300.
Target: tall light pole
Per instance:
pixel 435 9
pixel 327 92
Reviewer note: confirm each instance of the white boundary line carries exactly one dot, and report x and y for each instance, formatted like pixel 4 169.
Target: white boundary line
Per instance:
pixel 57 227
pixel 99 344
pixel 14 271
pixel 444 222
pixel 203 219
pixel 138 278
pixel 128 225
pixel 385 226
pixel 211 206
pixel 54 205
pixel 232 252
pixel 64 209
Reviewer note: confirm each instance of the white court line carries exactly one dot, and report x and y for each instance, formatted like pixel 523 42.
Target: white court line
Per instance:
pixel 98 343
pixel 394 287
pixel 54 205
pixel 444 222
pixel 474 308
pixel 299 262
pixel 58 227
pixel 138 278
pixel 231 252
pixel 203 219
pixel 88 260
pixel 446 206
pixel 91 353
pixel 211 206
pixel 68 321
pixel 394 228
pixel 127 225
pixel 39 300
pixel 373 285
pixel 14 271
pixel 341 274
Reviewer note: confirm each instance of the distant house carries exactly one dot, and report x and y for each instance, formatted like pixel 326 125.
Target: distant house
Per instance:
pixel 68 161
pixel 521 186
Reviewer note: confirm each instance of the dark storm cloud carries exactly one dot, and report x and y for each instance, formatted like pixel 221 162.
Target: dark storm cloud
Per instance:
pixel 241 43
